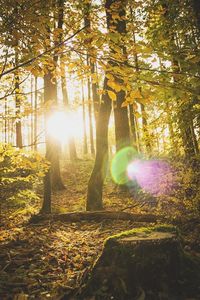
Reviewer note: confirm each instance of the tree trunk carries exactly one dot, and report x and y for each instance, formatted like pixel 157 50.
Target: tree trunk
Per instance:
pixel 194 138
pixel 32 117
pixel 196 10
pixel 96 181
pixel 184 120
pixel 140 264
pixel 122 131
pixel 71 142
pixel 92 83
pixel 17 106
pixel 133 126
pixel 90 113
pixel 50 94
pixel 36 115
pixel 95 95
pixel 53 177
pixel 18 118
pixel 5 120
pixel 85 147
pixel 145 129
pixel 185 129
pixel 72 149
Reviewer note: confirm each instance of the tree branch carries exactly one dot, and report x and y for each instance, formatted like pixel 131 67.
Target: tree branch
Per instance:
pixel 31 60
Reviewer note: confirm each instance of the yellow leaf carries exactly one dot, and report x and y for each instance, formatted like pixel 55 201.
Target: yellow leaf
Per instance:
pixel 110 76
pixel 112 95
pixel 143 101
pixel 135 94
pixel 124 104
pixel 115 86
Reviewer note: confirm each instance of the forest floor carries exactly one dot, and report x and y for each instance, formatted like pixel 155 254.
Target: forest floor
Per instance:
pixel 45 260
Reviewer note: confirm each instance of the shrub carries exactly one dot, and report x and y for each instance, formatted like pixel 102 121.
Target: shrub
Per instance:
pixel 19 172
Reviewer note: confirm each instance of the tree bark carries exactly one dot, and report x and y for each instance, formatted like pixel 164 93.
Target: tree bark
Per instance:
pixel 97 216
pixel 133 127
pixel 95 95
pixel 88 62
pixel 122 130
pixel 138 265
pixel 145 129
pixel 35 114
pixel 17 106
pixel 90 113
pixel 71 142
pixel 50 94
pixel 85 146
pixel 96 181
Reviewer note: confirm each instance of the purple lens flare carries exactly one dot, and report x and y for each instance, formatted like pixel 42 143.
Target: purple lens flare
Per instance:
pixel 153 176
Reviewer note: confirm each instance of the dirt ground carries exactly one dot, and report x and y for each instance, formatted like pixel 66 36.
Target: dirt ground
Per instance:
pixel 43 261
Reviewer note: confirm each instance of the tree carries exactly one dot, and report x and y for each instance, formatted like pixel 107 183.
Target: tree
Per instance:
pixel 117 26
pixel 96 181
pixel 88 63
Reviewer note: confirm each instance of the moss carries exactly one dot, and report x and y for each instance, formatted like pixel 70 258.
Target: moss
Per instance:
pixel 145 230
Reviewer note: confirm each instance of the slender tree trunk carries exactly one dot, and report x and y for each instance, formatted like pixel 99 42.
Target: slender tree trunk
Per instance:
pixel 184 120
pixel 122 130
pixel 88 62
pixel 195 143
pixel 95 95
pixel 122 133
pixel 184 110
pixel 133 126
pixel 171 129
pixel 32 117
pixel 145 129
pixel 52 178
pixel 35 114
pixel 91 62
pixel 18 106
pixel 196 10
pixel 72 146
pixel 90 116
pixel 96 181
pixel 50 93
pixel 85 147
pixel 18 117
pixel 5 120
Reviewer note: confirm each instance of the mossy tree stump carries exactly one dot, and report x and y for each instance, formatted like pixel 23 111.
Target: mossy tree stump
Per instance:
pixel 139 264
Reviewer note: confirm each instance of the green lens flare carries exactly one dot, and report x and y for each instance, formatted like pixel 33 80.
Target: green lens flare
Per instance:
pixel 120 163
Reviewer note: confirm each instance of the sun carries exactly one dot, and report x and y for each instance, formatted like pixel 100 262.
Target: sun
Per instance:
pixel 62 126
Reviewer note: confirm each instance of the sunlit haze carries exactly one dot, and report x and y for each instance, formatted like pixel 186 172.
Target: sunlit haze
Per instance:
pixel 64 125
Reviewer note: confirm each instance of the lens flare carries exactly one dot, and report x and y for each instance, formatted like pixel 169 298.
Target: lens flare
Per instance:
pixel 155 177
pixel 119 164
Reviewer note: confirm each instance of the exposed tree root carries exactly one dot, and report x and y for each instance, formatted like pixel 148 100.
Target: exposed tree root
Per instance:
pixel 95 216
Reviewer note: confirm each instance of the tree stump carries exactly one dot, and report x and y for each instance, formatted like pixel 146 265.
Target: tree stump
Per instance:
pixel 139 264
